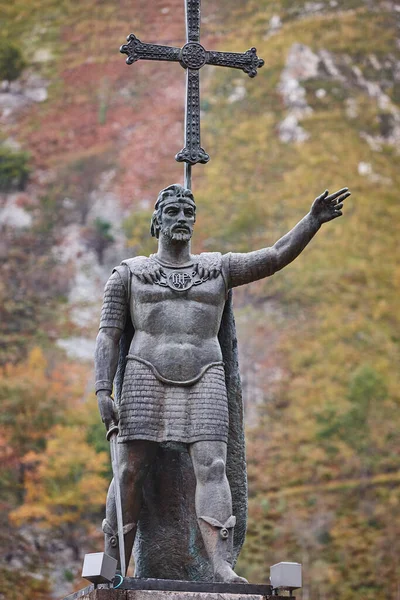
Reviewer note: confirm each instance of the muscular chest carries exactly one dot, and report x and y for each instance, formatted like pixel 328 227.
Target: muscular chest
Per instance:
pixel 181 300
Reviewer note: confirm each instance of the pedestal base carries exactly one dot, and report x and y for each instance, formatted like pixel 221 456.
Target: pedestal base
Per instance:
pixel 168 589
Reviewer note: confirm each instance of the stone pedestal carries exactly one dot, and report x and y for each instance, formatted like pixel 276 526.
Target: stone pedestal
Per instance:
pixel 112 594
pixel 166 589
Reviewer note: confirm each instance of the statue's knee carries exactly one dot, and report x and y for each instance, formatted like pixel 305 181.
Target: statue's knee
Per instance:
pixel 213 472
pixel 125 473
pixel 129 473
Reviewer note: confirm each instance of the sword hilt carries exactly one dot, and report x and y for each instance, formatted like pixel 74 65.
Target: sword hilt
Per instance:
pixel 113 430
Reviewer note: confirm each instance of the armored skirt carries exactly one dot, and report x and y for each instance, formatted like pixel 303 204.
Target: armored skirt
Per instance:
pixel 150 409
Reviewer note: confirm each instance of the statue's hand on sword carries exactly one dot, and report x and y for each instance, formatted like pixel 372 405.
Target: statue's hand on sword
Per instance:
pixel 107 408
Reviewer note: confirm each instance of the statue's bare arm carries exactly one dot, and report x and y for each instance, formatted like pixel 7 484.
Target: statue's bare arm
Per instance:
pixel 250 266
pixel 106 362
pixel 113 317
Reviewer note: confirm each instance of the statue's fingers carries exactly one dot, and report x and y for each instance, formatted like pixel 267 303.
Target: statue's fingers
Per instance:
pixel 339 206
pixel 200 272
pixel 343 198
pixel 215 273
pixel 337 213
pixel 337 194
pixel 322 196
pixel 340 199
pixel 115 413
pixel 147 278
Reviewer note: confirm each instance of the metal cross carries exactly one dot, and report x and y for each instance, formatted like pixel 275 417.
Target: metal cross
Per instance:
pixel 192 57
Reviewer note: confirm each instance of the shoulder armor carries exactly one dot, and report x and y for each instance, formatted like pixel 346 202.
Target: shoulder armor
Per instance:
pixel 140 265
pixel 123 272
pixel 210 260
pixel 130 266
pixel 137 264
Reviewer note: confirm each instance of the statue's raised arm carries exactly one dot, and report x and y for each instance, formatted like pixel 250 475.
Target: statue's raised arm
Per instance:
pixel 247 267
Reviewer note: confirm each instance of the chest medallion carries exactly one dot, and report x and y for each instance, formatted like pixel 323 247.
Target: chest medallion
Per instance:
pixel 180 281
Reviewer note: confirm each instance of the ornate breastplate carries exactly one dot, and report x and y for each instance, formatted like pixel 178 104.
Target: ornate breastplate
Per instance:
pixel 180 280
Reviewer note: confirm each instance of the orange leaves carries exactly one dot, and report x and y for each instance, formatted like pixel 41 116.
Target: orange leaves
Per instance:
pixel 65 483
pixel 51 475
pixel 43 429
pixel 34 398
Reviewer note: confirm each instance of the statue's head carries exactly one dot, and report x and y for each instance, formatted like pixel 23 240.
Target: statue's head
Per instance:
pixel 174 214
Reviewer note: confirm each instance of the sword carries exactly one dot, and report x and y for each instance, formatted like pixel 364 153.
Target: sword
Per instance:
pixel 112 434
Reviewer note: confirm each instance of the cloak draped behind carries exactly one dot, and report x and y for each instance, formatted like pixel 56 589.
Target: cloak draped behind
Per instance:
pixel 168 542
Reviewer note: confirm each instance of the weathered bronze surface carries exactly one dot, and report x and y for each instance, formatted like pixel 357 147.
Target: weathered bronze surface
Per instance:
pixel 167 344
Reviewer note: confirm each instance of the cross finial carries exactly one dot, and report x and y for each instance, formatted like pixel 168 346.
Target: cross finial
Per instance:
pixel 192 57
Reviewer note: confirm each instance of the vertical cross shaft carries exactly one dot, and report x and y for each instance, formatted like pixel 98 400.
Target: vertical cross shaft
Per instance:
pixel 192 57
pixel 192 14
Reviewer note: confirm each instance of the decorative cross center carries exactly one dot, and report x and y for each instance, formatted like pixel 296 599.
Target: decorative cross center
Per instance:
pixel 192 57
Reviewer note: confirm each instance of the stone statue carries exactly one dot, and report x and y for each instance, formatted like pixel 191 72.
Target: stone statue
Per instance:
pixel 168 345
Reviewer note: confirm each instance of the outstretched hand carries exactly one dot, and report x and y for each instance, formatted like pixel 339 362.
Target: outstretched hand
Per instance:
pixel 327 207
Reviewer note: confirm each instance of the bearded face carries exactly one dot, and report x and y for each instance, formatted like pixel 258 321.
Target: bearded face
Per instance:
pixel 177 221
pixel 177 236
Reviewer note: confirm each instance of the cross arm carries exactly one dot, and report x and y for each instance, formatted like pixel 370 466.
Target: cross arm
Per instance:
pixel 247 61
pixel 137 50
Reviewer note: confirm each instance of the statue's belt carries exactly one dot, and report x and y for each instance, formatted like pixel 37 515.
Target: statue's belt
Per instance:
pixel 160 377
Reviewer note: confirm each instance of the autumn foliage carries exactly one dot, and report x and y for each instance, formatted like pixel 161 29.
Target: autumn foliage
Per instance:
pixel 53 480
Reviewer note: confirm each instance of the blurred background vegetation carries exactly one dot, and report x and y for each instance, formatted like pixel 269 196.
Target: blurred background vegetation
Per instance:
pixel 86 143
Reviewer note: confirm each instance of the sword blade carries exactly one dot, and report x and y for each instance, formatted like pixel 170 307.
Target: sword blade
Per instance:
pixel 118 503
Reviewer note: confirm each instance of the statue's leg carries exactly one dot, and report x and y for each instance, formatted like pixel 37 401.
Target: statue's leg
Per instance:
pixel 135 459
pixel 214 507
